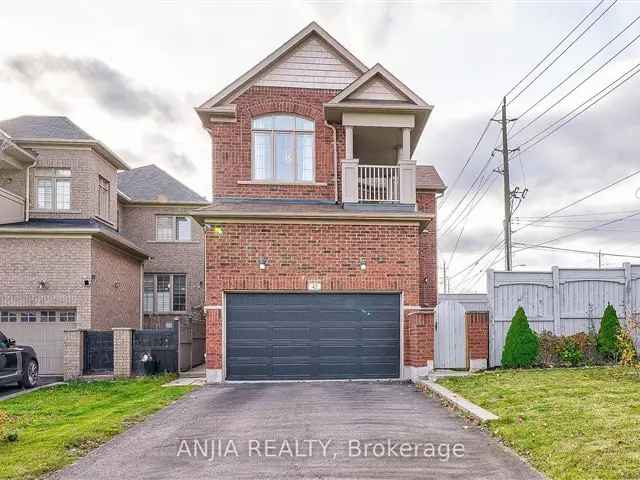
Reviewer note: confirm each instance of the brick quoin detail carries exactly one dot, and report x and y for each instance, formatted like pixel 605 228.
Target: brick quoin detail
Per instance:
pixel 477 335
pixel 232 144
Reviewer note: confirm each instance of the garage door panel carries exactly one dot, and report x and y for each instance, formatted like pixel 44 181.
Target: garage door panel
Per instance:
pixel 312 336
pixel 47 339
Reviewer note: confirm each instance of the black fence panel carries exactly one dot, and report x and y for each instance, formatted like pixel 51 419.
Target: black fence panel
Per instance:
pixel 98 352
pixel 159 347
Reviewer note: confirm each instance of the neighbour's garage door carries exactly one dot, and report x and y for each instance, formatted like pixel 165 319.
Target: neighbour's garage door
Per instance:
pixel 297 336
pixel 47 339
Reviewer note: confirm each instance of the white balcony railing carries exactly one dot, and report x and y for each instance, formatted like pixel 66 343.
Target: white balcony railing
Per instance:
pixel 378 183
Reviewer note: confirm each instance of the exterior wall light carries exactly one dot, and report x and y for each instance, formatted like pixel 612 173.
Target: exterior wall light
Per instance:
pixel 42 285
pixel 262 263
pixel 116 284
pixel 363 264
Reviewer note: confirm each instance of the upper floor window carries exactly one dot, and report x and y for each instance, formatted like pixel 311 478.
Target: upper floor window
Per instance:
pixel 283 148
pixel 104 194
pixel 165 293
pixel 53 189
pixel 172 228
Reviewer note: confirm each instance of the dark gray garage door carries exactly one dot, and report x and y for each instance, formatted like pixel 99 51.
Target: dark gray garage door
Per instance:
pixel 312 336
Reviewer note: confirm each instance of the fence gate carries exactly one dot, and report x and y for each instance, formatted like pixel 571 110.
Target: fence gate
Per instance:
pixel 161 344
pixel 98 352
pixel 450 336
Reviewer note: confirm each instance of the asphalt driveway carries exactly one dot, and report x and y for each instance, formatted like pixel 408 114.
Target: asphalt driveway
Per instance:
pixel 6 390
pixel 302 430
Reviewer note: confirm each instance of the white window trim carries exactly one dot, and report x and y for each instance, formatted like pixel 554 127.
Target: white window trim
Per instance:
pixel 171 283
pixel 102 189
pixel 273 133
pixel 174 229
pixel 53 176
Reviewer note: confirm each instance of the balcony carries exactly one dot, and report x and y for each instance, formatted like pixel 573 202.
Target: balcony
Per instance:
pixel 387 178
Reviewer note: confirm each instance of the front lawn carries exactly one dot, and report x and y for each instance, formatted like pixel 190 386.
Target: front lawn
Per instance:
pixel 571 423
pixel 55 426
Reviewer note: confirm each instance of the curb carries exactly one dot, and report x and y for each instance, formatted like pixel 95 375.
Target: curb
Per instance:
pixel 460 403
pixel 30 390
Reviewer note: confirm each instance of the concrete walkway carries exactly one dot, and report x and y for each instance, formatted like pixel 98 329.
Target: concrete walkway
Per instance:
pixel 303 430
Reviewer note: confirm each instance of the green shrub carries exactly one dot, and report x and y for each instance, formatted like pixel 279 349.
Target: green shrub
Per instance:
pixel 549 349
pixel 571 352
pixel 607 336
pixel 521 346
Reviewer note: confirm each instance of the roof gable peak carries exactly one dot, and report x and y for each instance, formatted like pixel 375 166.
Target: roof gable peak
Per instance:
pixel 230 92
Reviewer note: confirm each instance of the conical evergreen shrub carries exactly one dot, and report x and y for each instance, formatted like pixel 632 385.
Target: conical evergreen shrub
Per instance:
pixel 609 327
pixel 521 346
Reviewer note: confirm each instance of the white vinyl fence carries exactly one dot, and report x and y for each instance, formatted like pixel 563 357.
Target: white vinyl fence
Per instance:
pixel 563 301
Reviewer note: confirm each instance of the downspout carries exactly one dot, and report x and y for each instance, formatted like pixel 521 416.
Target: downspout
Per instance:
pixel 213 163
pixel 335 159
pixel 27 193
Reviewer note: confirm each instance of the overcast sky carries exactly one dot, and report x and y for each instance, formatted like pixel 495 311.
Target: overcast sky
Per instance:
pixel 131 72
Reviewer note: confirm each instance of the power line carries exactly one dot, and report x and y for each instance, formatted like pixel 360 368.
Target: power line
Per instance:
pixel 562 237
pixel 572 250
pixel 594 103
pixel 554 48
pixel 493 246
pixel 546 95
pixel 475 149
pixel 565 50
pixel 617 212
pixel 581 199
pixel 577 86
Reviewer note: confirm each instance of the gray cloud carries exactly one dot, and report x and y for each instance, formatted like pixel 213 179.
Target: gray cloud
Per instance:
pixel 164 152
pixel 110 88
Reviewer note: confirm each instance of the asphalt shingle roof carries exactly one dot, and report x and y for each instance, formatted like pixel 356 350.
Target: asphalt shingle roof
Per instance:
pixel 43 127
pixel 152 184
pixel 427 178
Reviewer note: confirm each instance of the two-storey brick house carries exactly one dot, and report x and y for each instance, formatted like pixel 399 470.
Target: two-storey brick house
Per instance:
pixel 85 247
pixel 63 263
pixel 320 241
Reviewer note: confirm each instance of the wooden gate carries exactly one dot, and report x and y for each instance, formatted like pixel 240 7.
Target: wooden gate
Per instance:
pixel 98 352
pixel 450 348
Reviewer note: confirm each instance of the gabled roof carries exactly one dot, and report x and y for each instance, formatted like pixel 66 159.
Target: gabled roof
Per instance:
pixel 379 71
pixel 43 127
pixel 226 94
pixel 39 130
pixel 151 184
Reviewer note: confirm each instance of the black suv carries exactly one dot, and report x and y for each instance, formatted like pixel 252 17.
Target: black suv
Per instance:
pixel 18 364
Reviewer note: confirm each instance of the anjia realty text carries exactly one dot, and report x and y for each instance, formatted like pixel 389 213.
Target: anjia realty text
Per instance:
pixel 212 449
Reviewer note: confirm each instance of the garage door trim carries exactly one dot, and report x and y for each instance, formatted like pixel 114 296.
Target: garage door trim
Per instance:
pixel 307 292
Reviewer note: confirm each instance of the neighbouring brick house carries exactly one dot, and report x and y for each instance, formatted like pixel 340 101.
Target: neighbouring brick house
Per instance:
pixel 154 213
pixel 320 244
pixel 73 247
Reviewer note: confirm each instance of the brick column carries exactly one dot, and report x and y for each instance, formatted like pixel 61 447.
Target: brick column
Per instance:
pixel 418 343
pixel 73 354
pixel 122 352
pixel 477 324
pixel 214 346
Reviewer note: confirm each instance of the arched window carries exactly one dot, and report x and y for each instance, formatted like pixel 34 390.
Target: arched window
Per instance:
pixel 283 148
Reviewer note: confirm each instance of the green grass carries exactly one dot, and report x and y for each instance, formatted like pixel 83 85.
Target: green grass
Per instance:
pixel 573 423
pixel 55 426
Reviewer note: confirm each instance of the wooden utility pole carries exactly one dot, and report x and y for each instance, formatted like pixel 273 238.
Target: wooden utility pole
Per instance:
pixel 507 188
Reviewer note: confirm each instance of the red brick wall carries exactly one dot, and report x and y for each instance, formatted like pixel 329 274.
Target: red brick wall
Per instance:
pixel 426 202
pixel 477 335
pixel 418 338
pixel 330 253
pixel 232 144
